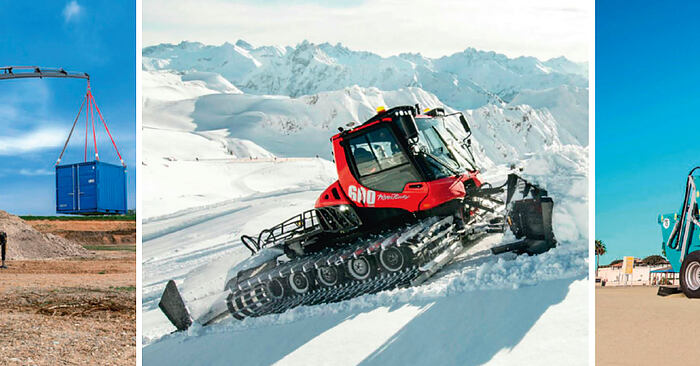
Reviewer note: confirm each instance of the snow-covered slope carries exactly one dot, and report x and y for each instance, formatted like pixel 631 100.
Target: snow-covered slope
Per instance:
pixel 568 104
pixel 170 85
pixel 480 309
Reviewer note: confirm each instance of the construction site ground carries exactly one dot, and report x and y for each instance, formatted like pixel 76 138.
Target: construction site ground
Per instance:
pixel 71 311
pixel 89 232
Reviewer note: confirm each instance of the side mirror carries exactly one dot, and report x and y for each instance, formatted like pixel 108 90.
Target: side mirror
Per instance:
pixel 408 125
pixel 465 125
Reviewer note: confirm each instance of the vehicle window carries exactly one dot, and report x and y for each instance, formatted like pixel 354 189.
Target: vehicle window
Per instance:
pixel 365 161
pixel 380 162
pixel 431 139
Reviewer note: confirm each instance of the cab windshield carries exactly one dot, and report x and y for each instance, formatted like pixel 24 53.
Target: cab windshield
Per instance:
pixel 431 132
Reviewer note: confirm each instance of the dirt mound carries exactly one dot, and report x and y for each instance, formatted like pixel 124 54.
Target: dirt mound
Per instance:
pixel 24 242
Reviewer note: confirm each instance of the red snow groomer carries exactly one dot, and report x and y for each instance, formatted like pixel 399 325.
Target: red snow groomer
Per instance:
pixel 408 199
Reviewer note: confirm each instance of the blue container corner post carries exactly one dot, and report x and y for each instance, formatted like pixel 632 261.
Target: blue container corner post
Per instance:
pixel 91 188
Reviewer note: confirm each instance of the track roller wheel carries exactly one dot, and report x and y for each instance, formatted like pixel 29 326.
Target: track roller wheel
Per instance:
pixel 329 276
pixel 300 282
pixel 394 259
pixel 275 288
pixel 361 268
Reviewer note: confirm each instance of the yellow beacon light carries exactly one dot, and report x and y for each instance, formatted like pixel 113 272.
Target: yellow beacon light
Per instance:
pixel 381 109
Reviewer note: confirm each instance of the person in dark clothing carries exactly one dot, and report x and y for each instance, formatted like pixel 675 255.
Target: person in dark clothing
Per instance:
pixel 3 244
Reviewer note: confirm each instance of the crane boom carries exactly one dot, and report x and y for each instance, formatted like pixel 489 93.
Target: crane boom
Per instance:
pixel 19 72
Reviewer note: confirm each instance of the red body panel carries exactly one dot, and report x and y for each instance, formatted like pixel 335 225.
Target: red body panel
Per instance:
pixel 446 189
pixel 416 196
pixel 332 196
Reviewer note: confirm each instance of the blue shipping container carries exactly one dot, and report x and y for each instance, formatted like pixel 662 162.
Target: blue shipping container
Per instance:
pixel 90 188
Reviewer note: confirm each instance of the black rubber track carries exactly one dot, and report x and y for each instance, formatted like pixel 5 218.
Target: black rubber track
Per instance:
pixel 425 240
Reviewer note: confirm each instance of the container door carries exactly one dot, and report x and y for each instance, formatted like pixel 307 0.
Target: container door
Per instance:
pixel 65 189
pixel 87 188
pixel 111 188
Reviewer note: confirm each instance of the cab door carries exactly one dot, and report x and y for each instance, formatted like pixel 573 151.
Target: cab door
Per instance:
pixel 378 172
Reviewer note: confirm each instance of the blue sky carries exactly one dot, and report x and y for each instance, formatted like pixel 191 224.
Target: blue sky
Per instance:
pixel 647 121
pixel 97 37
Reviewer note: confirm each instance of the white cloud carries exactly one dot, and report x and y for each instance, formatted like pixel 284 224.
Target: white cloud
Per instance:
pixel 72 11
pixel 31 141
pixel 544 28
pixel 35 172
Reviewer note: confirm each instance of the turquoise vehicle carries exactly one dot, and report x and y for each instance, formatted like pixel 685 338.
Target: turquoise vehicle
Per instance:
pixel 681 237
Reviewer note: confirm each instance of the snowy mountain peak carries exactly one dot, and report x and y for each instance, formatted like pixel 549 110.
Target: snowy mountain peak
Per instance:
pixel 467 79
pixel 244 45
pixel 187 45
pixel 564 65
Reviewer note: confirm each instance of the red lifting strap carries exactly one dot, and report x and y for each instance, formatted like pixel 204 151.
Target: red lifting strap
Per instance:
pixel 90 107
pixel 94 135
pixel 87 116
pixel 109 133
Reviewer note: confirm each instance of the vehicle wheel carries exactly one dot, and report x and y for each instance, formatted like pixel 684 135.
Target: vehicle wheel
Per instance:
pixel 275 288
pixel 300 282
pixel 690 275
pixel 361 268
pixel 393 259
pixel 329 276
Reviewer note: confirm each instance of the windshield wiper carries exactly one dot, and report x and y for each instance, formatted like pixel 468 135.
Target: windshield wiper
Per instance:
pixel 441 163
pixel 471 161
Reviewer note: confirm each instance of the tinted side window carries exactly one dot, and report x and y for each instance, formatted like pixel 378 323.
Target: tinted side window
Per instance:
pixel 380 162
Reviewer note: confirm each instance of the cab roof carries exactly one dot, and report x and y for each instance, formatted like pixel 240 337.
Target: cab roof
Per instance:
pixel 385 116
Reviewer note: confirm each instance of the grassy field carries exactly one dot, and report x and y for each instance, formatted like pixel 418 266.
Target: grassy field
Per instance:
pixel 82 218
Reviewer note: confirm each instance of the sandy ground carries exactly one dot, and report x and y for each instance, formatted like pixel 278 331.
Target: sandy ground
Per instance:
pixel 69 311
pixel 634 326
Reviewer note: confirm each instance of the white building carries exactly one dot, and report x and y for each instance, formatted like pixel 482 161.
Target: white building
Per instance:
pixel 641 275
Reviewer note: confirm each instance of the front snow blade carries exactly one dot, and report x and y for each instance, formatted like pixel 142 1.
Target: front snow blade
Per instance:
pixel 529 219
pixel 173 307
pixel 531 247
pixel 517 247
